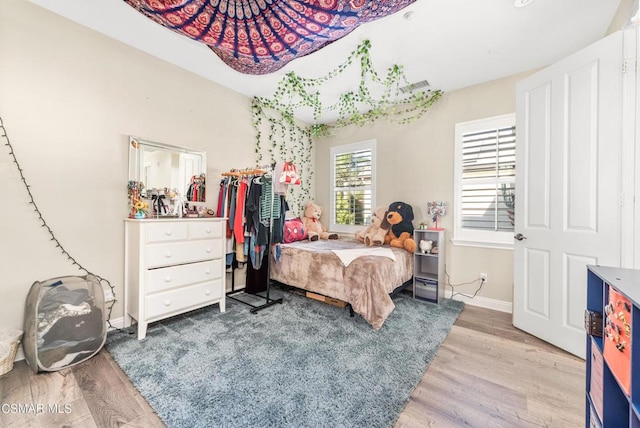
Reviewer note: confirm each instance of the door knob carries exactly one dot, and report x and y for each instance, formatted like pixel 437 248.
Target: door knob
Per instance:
pixel 520 237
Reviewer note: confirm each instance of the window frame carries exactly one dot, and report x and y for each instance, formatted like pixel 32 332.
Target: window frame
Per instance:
pixel 339 150
pixel 475 237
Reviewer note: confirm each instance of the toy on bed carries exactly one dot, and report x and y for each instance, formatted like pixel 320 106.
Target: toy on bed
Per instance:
pixel 400 216
pixel 375 233
pixel 294 230
pixel 311 221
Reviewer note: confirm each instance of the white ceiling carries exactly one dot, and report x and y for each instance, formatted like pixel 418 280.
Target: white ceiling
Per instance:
pixel 451 43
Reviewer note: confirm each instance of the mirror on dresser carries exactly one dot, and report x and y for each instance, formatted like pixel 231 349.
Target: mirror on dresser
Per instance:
pixel 165 180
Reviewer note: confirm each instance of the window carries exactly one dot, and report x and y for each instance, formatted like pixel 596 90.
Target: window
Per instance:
pixel 352 185
pixel 485 182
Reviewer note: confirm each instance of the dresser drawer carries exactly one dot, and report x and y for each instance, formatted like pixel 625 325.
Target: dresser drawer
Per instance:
pixel 182 299
pixel 175 253
pixel 205 229
pixel 167 231
pixel 178 276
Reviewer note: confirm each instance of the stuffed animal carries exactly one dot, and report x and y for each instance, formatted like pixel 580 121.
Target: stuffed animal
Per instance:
pixel 400 216
pixel 375 233
pixel 311 221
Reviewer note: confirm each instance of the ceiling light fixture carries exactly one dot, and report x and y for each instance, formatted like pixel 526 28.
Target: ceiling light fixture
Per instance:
pixel 522 3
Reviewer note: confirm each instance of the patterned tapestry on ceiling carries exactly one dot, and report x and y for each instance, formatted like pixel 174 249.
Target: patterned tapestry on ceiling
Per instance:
pixel 262 36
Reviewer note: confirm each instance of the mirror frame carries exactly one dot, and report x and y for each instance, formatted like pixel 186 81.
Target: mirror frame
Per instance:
pixel 136 158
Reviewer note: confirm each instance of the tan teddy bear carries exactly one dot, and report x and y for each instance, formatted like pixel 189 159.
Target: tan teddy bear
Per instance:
pixel 375 233
pixel 311 221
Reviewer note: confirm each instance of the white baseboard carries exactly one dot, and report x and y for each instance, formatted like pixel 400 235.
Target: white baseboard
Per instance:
pixel 483 302
pixel 116 323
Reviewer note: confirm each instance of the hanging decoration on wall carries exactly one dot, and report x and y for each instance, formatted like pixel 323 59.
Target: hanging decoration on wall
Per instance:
pixel 262 36
pixel 279 135
pixel 4 135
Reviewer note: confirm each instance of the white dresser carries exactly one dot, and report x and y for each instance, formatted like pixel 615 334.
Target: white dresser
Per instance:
pixel 172 266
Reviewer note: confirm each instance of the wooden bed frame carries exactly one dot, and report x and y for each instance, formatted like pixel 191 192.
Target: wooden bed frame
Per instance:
pixel 335 302
pixel 366 284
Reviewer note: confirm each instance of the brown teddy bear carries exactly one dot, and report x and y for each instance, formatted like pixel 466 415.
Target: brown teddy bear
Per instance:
pixel 375 233
pixel 311 221
pixel 400 216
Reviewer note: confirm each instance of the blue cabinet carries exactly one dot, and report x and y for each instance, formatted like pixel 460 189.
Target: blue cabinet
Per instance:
pixel 613 352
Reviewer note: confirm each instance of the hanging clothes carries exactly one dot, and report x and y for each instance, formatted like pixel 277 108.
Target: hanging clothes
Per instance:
pixel 252 212
pixel 197 189
pixel 239 218
pixel 220 208
pixel 232 203
pixel 277 236
pixel 257 275
pixel 256 215
pixel 269 201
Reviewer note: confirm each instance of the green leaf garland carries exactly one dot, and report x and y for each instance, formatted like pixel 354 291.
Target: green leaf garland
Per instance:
pixel 291 140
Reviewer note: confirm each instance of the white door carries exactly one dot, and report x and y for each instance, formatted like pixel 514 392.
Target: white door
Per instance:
pixel 567 189
pixel 189 166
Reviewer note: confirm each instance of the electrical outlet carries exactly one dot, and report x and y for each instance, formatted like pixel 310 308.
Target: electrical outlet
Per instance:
pixel 483 277
pixel 108 296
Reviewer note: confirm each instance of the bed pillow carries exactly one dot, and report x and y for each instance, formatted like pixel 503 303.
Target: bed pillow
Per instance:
pixel 294 230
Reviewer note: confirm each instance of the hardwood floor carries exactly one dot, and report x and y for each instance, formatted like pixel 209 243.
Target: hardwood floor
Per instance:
pixel 485 374
pixel 489 374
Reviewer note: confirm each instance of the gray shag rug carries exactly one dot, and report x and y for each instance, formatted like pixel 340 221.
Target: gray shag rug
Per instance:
pixel 301 363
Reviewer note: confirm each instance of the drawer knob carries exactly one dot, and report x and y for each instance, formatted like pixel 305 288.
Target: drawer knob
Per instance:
pixel 208 271
pixel 167 302
pixel 208 250
pixel 168 232
pixel 168 254
pixel 167 279
pixel 207 292
pixel 208 230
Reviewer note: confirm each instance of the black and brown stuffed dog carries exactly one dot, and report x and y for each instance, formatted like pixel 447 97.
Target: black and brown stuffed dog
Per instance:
pixel 400 216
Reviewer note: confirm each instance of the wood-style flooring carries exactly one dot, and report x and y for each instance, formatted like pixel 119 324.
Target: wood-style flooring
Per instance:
pixel 485 374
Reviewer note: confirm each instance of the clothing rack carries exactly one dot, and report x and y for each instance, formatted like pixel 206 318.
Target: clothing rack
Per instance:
pixel 252 172
pixel 244 172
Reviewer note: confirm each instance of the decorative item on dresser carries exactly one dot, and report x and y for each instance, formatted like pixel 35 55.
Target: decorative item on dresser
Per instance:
pixel 172 266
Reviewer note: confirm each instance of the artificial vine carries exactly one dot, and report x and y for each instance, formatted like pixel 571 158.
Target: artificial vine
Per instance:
pixel 290 141
pixel 286 137
pixel 49 230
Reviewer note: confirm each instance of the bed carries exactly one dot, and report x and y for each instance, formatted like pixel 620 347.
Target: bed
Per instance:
pixel 364 279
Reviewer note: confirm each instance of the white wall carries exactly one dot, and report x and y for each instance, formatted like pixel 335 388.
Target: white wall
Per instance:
pixel 69 98
pixel 416 164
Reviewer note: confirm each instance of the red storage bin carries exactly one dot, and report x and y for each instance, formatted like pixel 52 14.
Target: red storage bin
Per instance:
pixel 617 338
